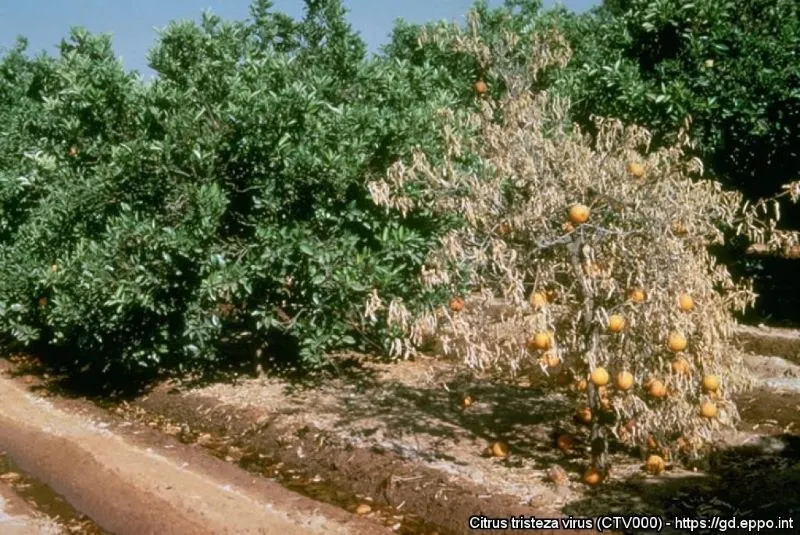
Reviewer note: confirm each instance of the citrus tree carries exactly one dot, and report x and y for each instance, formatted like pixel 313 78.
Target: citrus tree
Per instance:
pixel 587 257
pixel 145 226
pixel 731 65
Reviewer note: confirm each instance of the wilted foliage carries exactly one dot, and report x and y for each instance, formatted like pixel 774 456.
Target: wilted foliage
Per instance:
pixel 582 255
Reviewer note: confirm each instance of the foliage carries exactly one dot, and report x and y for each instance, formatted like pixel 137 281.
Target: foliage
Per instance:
pixel 145 225
pixel 731 65
pixel 548 283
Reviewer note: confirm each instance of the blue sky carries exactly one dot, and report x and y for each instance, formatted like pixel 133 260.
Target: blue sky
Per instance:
pixel 133 24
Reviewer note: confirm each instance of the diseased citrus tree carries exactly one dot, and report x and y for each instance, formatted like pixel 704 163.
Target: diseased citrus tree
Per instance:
pixel 594 252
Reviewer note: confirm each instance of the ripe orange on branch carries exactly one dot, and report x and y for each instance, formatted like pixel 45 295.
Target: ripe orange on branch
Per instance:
pixel 538 300
pixel 480 87
pixel 637 295
pixel 565 443
pixel 676 341
pixel 657 389
pixel 584 415
pixel 578 214
pixel 599 376
pixel 685 302
pixel 541 341
pixel 708 410
pixel 636 169
pixel 552 360
pixel 624 380
pixel 616 323
pixel 710 383
pixel 457 304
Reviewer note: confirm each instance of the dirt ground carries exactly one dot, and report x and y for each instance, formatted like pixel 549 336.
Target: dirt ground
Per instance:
pixel 130 479
pixel 397 435
pixel 396 438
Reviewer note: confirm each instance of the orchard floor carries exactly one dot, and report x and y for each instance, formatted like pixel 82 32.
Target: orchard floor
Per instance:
pixel 395 437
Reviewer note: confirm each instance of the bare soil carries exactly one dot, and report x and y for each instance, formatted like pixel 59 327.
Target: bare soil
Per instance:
pixel 397 438
pixel 397 434
pixel 133 480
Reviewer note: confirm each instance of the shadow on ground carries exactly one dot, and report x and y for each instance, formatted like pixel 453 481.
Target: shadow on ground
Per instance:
pixel 759 480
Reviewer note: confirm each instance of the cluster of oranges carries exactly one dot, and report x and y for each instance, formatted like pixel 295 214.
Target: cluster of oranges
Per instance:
pixel 542 343
pixel 676 342
pixel 624 381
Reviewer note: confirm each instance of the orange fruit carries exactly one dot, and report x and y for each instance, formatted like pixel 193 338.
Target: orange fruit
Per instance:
pixel 676 341
pixel 565 443
pixel 637 295
pixel 456 304
pixel 636 169
pixel 467 401
pixel 592 477
pixel 685 302
pixel 616 323
pixel 552 360
pixel 578 214
pixel 655 464
pixel 504 229
pixel 480 87
pixel 581 385
pixel 657 389
pixel 599 376
pixel 710 383
pixel 541 341
pixel 624 380
pixel 499 449
pixel 680 366
pixel 708 410
pixel 538 300
pixel 584 415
